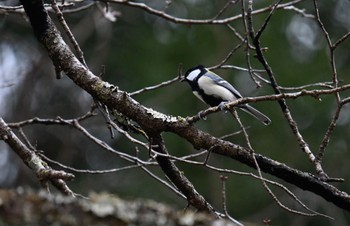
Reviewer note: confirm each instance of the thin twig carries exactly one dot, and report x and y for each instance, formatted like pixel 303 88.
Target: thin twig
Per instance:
pixel 330 130
pixel 238 35
pixel 174 19
pixel 240 68
pixel 173 188
pixel 299 11
pixel 149 88
pixel 342 39
pixel 93 171
pixel 224 8
pixel 246 39
pixel 224 206
pixel 335 80
pixel 228 56
pixel 70 35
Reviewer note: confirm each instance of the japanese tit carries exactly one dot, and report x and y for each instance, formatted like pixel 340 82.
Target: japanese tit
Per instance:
pixel 215 91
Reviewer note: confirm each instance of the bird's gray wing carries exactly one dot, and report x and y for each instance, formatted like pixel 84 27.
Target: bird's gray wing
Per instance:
pixel 220 81
pixel 247 108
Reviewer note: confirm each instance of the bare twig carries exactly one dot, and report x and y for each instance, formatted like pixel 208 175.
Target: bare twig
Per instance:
pixel 19 9
pixel 330 130
pixel 70 35
pixel 174 19
pixel 330 46
pixel 335 80
pixel 149 88
pixel 115 170
pixel 299 88
pixel 57 121
pixel 171 187
pixel 240 68
pixel 224 8
pixel 248 45
pixel 299 11
pixel 341 40
pixel 106 115
pixel 223 184
pixel 228 56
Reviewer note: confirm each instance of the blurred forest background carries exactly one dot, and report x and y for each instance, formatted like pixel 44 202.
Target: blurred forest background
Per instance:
pixel 139 50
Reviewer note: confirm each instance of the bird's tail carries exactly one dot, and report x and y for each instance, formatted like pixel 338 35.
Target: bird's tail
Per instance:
pixel 256 114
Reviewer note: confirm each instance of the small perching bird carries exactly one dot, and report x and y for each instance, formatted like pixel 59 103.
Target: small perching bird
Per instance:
pixel 215 91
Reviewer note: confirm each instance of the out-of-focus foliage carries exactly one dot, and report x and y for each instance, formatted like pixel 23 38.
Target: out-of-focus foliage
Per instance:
pixel 140 50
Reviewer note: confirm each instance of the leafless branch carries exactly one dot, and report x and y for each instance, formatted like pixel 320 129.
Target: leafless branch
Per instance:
pixel 174 19
pixel 149 88
pixel 223 183
pixel 228 56
pixel 66 28
pixel 224 8
pixel 299 11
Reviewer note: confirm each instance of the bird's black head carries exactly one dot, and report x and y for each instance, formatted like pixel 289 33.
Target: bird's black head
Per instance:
pixel 194 73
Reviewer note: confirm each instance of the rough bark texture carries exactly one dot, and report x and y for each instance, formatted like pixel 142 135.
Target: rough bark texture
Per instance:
pixel 22 207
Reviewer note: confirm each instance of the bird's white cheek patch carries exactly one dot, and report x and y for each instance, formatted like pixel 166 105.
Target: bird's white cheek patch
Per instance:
pixel 193 75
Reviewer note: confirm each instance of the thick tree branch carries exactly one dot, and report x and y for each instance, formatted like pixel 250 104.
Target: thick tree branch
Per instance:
pixel 25 207
pixel 178 178
pixel 154 123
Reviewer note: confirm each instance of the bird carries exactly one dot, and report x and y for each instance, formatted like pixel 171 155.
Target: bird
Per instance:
pixel 216 91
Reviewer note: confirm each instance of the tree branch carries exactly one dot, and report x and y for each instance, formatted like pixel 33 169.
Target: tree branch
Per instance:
pixel 178 178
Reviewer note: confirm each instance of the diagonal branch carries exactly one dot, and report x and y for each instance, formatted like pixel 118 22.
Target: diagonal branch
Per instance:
pixel 178 178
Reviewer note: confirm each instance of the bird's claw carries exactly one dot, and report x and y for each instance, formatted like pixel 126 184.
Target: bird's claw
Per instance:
pixel 222 105
pixel 201 115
